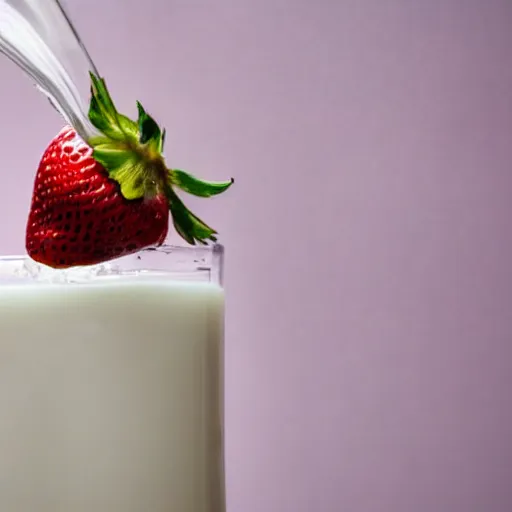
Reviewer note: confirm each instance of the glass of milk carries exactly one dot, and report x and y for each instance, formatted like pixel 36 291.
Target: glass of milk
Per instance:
pixel 111 384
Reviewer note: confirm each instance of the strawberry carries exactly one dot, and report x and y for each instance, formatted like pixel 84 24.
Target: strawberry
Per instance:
pixel 78 214
pixel 109 196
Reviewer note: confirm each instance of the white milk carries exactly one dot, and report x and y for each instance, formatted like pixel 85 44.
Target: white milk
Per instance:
pixel 111 397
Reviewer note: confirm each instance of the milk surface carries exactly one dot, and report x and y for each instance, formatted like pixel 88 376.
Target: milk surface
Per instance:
pixel 111 396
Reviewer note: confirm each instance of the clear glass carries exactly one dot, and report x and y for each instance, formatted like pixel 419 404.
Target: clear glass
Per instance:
pixel 39 37
pixel 111 384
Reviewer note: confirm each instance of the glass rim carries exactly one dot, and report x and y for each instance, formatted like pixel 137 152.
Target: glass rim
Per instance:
pixel 175 262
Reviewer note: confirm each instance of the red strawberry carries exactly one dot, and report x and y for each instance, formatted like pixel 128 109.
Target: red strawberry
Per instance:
pixel 78 214
pixel 111 196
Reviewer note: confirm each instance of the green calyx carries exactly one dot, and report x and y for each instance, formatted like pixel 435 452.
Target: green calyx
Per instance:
pixel 131 153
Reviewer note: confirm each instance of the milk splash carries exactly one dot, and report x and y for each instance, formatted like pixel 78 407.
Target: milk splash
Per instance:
pixel 38 36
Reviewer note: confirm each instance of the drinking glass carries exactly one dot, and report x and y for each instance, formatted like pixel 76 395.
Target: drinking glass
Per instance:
pixel 111 384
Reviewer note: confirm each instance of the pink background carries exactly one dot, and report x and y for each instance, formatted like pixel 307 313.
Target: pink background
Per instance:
pixel 369 270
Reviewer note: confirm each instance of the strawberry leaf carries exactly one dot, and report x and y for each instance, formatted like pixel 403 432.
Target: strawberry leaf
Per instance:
pixel 149 131
pixel 190 227
pixel 104 116
pixel 100 91
pixel 197 187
